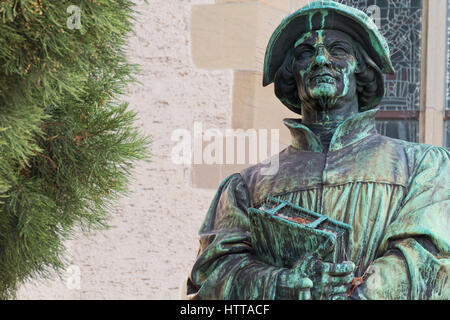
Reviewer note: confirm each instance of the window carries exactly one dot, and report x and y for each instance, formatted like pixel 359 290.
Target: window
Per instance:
pixel 447 132
pixel 400 22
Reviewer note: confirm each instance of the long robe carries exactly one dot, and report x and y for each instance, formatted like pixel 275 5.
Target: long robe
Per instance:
pixel 393 193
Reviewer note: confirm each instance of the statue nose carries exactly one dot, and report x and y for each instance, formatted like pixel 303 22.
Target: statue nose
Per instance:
pixel 322 57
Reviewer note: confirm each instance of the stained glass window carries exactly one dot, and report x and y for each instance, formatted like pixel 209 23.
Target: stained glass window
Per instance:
pixel 400 129
pixel 400 22
pixel 447 134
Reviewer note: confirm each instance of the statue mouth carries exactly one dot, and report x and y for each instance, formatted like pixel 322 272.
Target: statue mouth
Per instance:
pixel 324 79
pixel 323 76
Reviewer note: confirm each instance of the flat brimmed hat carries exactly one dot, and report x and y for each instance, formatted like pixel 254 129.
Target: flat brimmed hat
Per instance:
pixel 322 15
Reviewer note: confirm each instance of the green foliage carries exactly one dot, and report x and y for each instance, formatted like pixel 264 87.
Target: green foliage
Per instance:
pixel 66 144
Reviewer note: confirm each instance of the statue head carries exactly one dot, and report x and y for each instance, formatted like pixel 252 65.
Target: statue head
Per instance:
pixel 325 56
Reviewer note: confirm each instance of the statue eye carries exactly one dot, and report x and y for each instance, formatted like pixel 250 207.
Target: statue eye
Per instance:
pixel 339 51
pixel 303 52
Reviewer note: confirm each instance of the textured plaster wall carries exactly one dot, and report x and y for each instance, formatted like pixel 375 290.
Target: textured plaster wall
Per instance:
pixel 153 242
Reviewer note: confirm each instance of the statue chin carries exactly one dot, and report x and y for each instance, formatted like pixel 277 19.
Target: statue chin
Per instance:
pixel 323 90
pixel 323 96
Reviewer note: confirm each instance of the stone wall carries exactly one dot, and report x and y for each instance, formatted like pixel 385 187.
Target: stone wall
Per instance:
pixel 202 63
pixel 153 240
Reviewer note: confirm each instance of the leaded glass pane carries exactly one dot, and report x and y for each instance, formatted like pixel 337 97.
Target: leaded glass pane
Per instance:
pixel 447 134
pixel 399 129
pixel 400 22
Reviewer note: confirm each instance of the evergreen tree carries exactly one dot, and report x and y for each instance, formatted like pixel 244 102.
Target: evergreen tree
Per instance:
pixel 67 144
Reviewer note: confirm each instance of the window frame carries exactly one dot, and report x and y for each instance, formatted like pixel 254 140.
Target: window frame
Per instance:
pixel 413 114
pixel 432 113
pixel 434 85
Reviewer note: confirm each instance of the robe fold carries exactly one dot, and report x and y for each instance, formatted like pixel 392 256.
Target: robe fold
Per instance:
pixel 394 194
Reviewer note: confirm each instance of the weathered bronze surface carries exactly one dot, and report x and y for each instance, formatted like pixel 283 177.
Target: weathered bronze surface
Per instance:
pixel 327 61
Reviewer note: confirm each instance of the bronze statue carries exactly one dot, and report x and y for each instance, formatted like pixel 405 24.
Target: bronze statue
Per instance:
pixel 327 61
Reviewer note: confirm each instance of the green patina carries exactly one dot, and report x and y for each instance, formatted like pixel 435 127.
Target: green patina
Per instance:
pixel 391 196
pixel 376 40
pixel 399 238
pixel 351 67
pixel 302 39
pixel 324 15
pixel 326 89
pixel 320 37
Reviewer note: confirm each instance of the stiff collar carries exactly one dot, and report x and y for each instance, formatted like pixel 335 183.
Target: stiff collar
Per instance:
pixel 351 130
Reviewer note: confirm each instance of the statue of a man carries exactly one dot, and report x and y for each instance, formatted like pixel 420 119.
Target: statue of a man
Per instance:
pixel 327 61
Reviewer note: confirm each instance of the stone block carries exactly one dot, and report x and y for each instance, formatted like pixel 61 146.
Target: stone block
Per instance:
pixel 232 35
pixel 297 4
pixel 434 126
pixel 432 115
pixel 255 106
pixel 284 5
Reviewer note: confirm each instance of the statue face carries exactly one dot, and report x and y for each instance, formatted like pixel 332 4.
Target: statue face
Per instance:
pixel 324 68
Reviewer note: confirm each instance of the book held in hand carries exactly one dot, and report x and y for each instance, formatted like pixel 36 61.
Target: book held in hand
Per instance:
pixel 282 233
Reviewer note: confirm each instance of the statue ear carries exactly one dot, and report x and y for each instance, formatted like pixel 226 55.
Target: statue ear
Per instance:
pixel 361 65
pixel 364 61
pixel 369 79
pixel 359 68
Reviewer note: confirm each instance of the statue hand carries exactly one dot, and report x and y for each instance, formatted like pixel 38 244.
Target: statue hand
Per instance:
pixel 293 285
pixel 330 280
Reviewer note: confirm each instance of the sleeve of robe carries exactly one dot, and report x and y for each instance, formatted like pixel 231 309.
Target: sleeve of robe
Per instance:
pixel 225 267
pixel 414 255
